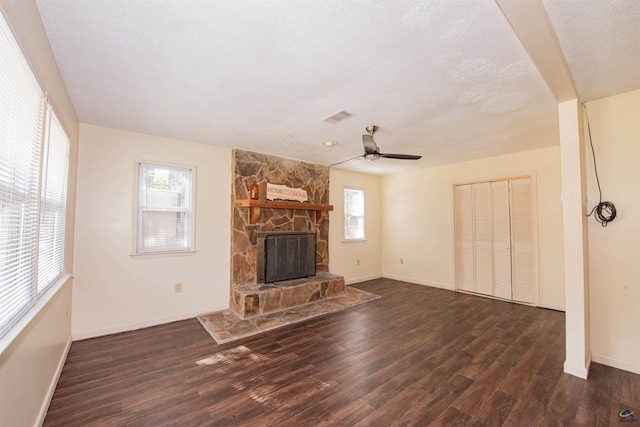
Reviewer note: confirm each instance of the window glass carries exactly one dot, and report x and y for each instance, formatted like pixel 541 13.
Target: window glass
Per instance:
pixel 164 209
pixel 353 214
pixel 53 203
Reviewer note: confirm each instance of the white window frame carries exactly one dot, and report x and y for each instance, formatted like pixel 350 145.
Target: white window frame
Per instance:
pixel 50 206
pixel 345 216
pixel 190 211
pixel 21 303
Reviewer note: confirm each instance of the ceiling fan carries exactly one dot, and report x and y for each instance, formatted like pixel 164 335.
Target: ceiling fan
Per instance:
pixel 372 152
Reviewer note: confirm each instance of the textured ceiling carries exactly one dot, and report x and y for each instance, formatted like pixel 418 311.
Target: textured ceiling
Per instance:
pixel 601 43
pixel 447 80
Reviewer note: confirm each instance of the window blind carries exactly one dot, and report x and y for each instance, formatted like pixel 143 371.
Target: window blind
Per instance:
pixel 164 209
pixel 53 202
pixel 22 104
pixel 353 214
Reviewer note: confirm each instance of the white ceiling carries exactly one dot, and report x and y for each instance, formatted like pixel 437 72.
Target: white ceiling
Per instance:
pixel 446 79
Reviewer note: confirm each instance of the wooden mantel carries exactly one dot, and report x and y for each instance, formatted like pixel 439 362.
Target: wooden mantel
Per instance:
pixel 255 205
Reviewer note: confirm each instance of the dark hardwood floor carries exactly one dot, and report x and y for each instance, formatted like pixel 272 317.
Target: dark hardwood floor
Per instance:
pixel 417 356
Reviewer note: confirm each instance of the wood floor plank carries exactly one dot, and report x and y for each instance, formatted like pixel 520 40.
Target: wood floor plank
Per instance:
pixel 630 390
pixel 347 415
pixel 343 400
pixel 397 384
pixel 494 410
pixel 564 402
pixel 452 417
pixel 416 356
pixel 532 402
pixel 482 388
pixel 395 408
pixel 600 391
pixel 436 403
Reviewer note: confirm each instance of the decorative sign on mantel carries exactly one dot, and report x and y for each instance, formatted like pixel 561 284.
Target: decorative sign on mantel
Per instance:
pixel 283 192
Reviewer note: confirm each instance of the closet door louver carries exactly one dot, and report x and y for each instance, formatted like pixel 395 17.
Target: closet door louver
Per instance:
pixel 495 239
pixel 522 241
pixel 464 237
pixel 501 239
pixel 483 267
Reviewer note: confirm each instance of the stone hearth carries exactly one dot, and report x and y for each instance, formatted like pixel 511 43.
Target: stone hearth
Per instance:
pixel 226 326
pixel 252 300
pixel 247 297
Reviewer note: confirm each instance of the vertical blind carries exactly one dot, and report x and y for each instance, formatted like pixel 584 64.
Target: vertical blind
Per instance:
pixel 22 117
pixel 164 208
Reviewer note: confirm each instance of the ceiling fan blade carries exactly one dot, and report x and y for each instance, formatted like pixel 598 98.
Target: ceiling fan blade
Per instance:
pixel 348 160
pixel 401 156
pixel 370 146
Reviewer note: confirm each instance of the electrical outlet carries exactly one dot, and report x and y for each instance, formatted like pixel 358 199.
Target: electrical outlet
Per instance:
pixel 357 262
pixel 178 287
pixel 401 260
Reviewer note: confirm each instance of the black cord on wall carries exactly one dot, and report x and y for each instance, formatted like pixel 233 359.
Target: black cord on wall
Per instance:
pixel 605 212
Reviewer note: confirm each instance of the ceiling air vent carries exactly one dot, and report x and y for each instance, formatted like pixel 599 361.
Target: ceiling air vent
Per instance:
pixel 338 117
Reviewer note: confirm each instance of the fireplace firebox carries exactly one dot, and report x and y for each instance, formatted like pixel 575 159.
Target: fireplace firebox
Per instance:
pixel 285 255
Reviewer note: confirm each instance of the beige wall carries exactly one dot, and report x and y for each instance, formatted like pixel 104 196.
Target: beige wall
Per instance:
pixel 614 251
pixel 417 219
pixel 31 364
pixel 115 292
pixel 344 256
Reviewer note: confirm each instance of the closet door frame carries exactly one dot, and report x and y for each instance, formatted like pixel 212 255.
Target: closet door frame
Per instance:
pixel 534 227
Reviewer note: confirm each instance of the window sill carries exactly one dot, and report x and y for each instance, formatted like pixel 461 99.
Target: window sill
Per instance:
pixel 31 314
pixel 164 254
pixel 354 241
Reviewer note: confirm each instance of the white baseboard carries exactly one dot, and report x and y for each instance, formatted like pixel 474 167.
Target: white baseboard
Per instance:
pixel 625 365
pixel 126 327
pixel 551 306
pixel 362 279
pixel 54 383
pixel 578 371
pixel 419 282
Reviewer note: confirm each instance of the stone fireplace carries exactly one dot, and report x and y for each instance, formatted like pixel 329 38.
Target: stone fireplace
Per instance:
pixel 251 295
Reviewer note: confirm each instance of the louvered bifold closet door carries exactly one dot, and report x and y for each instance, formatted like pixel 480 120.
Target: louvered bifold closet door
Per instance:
pixel 483 268
pixel 501 239
pixel 464 237
pixel 522 241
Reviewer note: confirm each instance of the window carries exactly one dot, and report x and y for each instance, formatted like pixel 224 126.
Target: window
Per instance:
pixel 353 214
pixel 53 203
pixel 33 185
pixel 165 214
